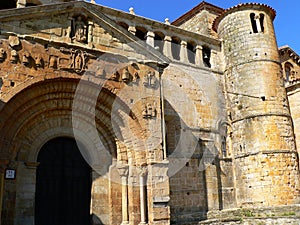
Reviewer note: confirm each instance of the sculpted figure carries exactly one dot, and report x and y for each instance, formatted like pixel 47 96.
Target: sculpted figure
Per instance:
pixel 80 30
pixel 14 56
pixel 78 62
pixel 26 58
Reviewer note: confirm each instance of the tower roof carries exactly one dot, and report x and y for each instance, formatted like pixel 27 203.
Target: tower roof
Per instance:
pixel 202 6
pixel 240 7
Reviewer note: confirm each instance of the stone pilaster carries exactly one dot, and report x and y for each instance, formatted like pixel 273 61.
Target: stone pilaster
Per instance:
pixel 123 171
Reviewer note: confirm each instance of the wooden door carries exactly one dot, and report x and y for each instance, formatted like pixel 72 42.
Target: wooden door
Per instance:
pixel 63 185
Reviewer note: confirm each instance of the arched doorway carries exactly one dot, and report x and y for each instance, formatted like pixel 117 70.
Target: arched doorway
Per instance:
pixel 63 185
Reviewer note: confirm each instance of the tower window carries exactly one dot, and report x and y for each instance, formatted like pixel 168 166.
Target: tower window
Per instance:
pixel 261 20
pixel 206 52
pixel 257 22
pixel 253 23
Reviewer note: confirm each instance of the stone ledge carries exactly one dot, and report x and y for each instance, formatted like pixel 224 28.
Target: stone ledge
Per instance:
pixel 264 215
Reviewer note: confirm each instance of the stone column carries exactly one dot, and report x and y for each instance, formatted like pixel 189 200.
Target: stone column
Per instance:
pixel 123 170
pixel 257 21
pixel 183 52
pixel 199 55
pixel 150 38
pixel 167 49
pixel 143 200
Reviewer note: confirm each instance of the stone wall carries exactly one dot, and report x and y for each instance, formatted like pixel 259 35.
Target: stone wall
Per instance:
pixel 201 23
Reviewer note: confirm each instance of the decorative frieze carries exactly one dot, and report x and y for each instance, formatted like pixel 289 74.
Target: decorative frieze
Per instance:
pixel 77 60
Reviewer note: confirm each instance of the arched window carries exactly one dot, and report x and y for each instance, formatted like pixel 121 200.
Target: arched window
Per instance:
pixel 257 22
pixel 141 33
pixel 176 48
pixel 158 41
pixel 253 23
pixel 191 46
pixel 288 68
pixel 206 52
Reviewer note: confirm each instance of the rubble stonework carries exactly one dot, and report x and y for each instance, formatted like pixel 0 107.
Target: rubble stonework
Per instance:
pixel 193 122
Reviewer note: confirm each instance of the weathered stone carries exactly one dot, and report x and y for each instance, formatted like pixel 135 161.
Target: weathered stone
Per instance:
pixel 186 128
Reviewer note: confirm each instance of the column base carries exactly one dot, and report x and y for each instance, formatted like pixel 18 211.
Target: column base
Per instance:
pixel 125 223
pixel 143 223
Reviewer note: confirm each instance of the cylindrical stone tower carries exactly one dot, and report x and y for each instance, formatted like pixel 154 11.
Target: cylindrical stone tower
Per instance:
pixel 264 154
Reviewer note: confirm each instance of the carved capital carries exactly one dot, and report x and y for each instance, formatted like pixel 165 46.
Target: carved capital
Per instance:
pixel 142 170
pixel 168 38
pixel 123 169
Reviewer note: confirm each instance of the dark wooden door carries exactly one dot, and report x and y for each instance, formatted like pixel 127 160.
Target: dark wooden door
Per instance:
pixel 63 185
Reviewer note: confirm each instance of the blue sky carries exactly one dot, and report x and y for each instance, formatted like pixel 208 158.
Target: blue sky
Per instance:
pixel 287 21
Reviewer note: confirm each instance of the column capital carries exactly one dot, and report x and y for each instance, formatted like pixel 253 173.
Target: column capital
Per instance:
pixel 123 169
pixel 168 38
pixel 198 47
pixel 183 43
pixel 150 34
pixel 142 170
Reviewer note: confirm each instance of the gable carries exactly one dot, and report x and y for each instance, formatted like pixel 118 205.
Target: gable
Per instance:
pixel 78 24
pixel 200 19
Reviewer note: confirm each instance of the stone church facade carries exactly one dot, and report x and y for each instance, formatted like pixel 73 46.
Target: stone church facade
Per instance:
pixel 107 117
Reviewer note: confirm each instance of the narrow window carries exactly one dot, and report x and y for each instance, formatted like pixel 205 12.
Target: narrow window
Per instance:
pixel 191 52
pixel 158 41
pixel 206 56
pixel 253 23
pixel 261 20
pixel 176 48
pixel 288 67
pixel 141 33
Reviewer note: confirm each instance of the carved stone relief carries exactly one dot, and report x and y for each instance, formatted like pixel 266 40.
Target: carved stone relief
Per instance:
pixel 39 62
pixel 14 57
pixel 77 60
pixel 149 111
pixel 2 54
pixel 26 58
pixel 14 41
pixel 79 30
pixel 150 80
pixel 53 62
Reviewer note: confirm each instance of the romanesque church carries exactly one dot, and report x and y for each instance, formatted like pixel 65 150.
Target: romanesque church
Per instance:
pixel 110 118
